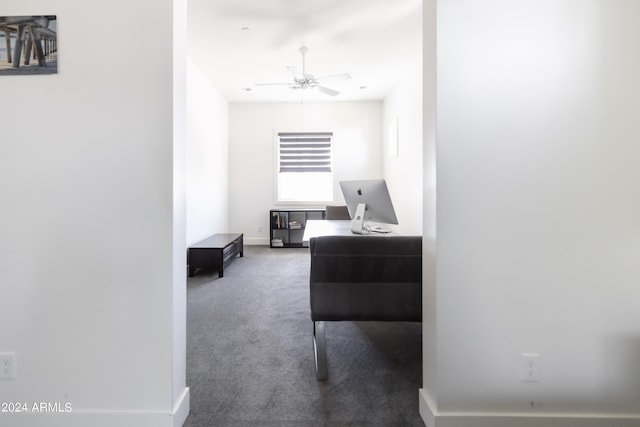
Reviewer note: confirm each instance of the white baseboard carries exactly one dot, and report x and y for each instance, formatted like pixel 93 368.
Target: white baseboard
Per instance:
pixel 83 418
pixel 256 241
pixel 433 418
pixel 182 408
pixel 427 408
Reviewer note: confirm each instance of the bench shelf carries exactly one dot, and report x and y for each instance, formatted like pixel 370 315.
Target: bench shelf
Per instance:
pixel 215 252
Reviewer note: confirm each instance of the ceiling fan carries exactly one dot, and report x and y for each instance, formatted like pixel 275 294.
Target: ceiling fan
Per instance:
pixel 303 80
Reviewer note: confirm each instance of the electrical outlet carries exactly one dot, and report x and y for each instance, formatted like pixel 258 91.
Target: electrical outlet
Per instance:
pixel 259 228
pixel 7 366
pixel 535 405
pixel 530 367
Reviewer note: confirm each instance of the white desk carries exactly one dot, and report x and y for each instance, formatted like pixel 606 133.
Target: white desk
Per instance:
pixel 325 227
pixel 333 227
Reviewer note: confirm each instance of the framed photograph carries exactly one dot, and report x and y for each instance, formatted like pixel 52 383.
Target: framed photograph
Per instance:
pixel 28 45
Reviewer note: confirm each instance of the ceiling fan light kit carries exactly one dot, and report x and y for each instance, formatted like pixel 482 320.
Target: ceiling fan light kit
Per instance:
pixel 303 80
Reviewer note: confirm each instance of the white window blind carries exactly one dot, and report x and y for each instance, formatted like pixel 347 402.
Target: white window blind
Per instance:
pixel 304 152
pixel 305 170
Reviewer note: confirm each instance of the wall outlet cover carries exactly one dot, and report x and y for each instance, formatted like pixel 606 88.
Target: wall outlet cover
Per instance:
pixel 7 366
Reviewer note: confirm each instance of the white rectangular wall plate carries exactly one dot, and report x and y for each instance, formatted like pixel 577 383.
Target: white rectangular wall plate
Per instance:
pixel 7 366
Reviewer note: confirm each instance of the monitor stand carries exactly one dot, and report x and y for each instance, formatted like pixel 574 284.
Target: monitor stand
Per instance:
pixel 357 223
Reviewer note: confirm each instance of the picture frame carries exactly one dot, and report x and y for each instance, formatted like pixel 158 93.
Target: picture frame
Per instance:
pixel 28 45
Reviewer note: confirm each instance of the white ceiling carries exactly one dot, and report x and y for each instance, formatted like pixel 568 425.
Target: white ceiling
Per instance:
pixel 376 41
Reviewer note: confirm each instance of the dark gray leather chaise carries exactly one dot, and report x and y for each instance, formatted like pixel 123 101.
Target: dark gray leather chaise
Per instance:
pixel 363 278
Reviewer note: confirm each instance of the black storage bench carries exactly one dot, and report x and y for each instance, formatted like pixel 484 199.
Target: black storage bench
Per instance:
pixel 214 252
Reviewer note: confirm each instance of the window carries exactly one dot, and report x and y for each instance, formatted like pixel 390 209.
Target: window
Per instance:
pixel 305 167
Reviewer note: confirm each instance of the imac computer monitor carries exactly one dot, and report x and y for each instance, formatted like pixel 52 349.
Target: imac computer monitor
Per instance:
pixel 368 201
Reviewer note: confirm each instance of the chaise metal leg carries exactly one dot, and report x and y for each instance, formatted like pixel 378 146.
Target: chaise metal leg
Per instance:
pixel 320 350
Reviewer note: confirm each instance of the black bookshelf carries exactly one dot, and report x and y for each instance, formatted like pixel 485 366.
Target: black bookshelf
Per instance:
pixel 287 226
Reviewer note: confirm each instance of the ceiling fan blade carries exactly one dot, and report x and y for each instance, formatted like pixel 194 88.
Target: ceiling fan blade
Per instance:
pixel 272 84
pixel 342 76
pixel 296 74
pixel 327 90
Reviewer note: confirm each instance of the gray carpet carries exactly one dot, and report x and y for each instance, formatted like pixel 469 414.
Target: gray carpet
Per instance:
pixel 250 353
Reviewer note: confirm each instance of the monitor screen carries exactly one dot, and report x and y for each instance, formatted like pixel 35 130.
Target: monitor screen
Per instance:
pixel 373 193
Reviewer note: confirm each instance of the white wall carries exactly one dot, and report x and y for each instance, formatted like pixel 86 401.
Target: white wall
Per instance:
pixel 207 158
pixel 430 332
pixel 89 304
pixel 402 152
pixel 538 234
pixel 181 394
pixel 357 138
